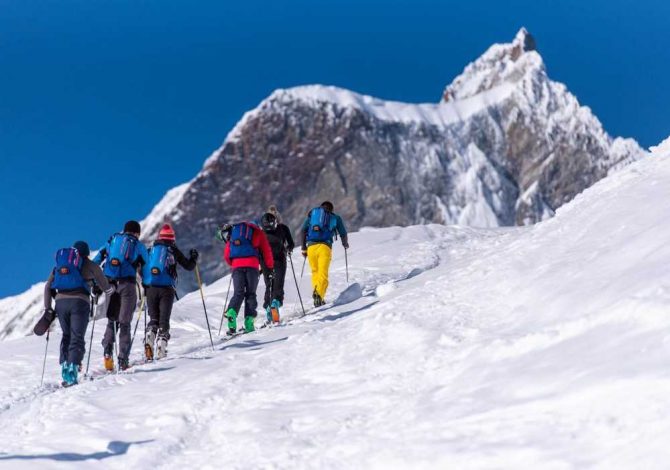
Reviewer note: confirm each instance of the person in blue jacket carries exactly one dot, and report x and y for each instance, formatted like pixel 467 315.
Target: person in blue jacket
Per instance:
pixel 123 256
pixel 319 229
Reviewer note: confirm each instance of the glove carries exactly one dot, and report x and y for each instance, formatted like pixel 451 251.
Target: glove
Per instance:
pixel 304 252
pixel 194 254
pixel 97 291
pixel 345 243
pixel 271 274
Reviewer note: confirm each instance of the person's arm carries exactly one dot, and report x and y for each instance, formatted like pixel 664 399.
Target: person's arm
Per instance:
pixel 266 250
pixel 305 229
pixel 95 273
pixel 226 254
pixel 186 263
pixel 341 229
pixel 48 294
pixel 102 254
pixel 289 239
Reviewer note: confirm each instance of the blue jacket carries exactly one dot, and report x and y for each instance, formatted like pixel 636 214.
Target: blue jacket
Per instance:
pixel 339 229
pixel 128 268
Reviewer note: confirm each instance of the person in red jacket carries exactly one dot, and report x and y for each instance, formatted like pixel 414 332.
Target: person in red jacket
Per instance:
pixel 245 244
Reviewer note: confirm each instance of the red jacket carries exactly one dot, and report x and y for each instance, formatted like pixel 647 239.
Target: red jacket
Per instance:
pixel 258 241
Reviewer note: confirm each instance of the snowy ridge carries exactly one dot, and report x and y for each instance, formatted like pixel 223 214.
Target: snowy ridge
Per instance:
pixel 528 347
pixel 19 313
pixel 166 206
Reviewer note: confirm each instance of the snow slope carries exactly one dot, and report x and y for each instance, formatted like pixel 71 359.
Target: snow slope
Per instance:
pixel 543 346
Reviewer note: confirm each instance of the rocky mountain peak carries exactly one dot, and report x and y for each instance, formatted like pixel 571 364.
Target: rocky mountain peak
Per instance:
pixel 500 64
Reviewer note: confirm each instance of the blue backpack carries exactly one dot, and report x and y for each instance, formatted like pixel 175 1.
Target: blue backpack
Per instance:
pixel 157 271
pixel 121 256
pixel 67 273
pixel 321 225
pixel 241 237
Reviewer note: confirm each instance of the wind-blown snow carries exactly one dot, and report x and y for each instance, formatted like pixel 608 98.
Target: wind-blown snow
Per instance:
pixel 537 347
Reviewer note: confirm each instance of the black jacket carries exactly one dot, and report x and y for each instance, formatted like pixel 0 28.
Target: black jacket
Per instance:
pixel 280 241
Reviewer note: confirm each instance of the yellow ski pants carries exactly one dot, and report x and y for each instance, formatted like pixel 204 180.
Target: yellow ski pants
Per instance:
pixel 319 256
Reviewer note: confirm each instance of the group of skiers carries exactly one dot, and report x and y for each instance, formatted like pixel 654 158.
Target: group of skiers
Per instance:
pixel 251 248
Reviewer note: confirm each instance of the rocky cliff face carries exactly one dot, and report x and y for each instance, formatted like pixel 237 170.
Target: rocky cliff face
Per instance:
pixel 505 146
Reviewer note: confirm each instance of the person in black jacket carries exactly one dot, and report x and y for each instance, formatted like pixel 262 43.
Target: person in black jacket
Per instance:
pixel 281 243
pixel 160 280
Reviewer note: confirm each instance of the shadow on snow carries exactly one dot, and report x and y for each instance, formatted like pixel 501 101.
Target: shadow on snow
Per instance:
pixel 114 448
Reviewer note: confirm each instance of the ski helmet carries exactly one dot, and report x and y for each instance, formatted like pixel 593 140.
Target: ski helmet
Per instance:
pixel 268 221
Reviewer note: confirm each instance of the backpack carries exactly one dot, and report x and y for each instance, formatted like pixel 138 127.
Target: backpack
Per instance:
pixel 241 237
pixel 321 225
pixel 121 256
pixel 158 271
pixel 67 273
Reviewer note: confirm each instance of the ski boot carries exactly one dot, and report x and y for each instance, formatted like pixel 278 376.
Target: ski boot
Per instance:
pixel 248 324
pixel 231 315
pixel 274 311
pixel 268 314
pixel 69 374
pixel 161 347
pixel 109 358
pixel 318 301
pixel 123 363
pixel 149 345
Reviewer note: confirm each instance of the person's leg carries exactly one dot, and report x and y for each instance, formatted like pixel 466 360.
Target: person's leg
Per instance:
pixel 312 257
pixel 239 283
pixel 165 307
pixel 127 291
pixel 324 255
pixel 64 319
pixel 112 316
pixel 79 314
pixel 280 275
pixel 236 300
pixel 153 306
pixel 250 301
pixel 267 298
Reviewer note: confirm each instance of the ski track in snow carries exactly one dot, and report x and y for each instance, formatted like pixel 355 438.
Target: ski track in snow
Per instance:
pixel 537 347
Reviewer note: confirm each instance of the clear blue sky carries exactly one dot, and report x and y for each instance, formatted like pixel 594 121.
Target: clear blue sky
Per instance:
pixel 104 105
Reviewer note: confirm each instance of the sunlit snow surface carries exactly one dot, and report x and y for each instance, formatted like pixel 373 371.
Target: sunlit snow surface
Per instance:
pixel 539 347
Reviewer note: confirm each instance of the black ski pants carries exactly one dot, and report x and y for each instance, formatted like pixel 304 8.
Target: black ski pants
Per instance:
pixel 73 318
pixel 245 283
pixel 275 289
pixel 121 308
pixel 159 303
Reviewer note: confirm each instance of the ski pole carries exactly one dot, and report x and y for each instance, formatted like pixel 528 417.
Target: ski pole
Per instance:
pixel 137 322
pixel 346 264
pixel 44 364
pixel 225 304
pixel 116 350
pixel 302 271
pixel 296 285
pixel 202 294
pixel 94 303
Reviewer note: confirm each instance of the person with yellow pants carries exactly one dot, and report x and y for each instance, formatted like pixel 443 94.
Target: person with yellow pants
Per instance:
pixel 319 229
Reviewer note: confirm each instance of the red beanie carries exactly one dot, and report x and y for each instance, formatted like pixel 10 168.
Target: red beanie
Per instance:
pixel 166 233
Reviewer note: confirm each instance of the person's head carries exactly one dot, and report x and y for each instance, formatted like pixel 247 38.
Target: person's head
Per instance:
pixel 132 227
pixel 82 248
pixel 223 232
pixel 328 206
pixel 268 221
pixel 166 233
